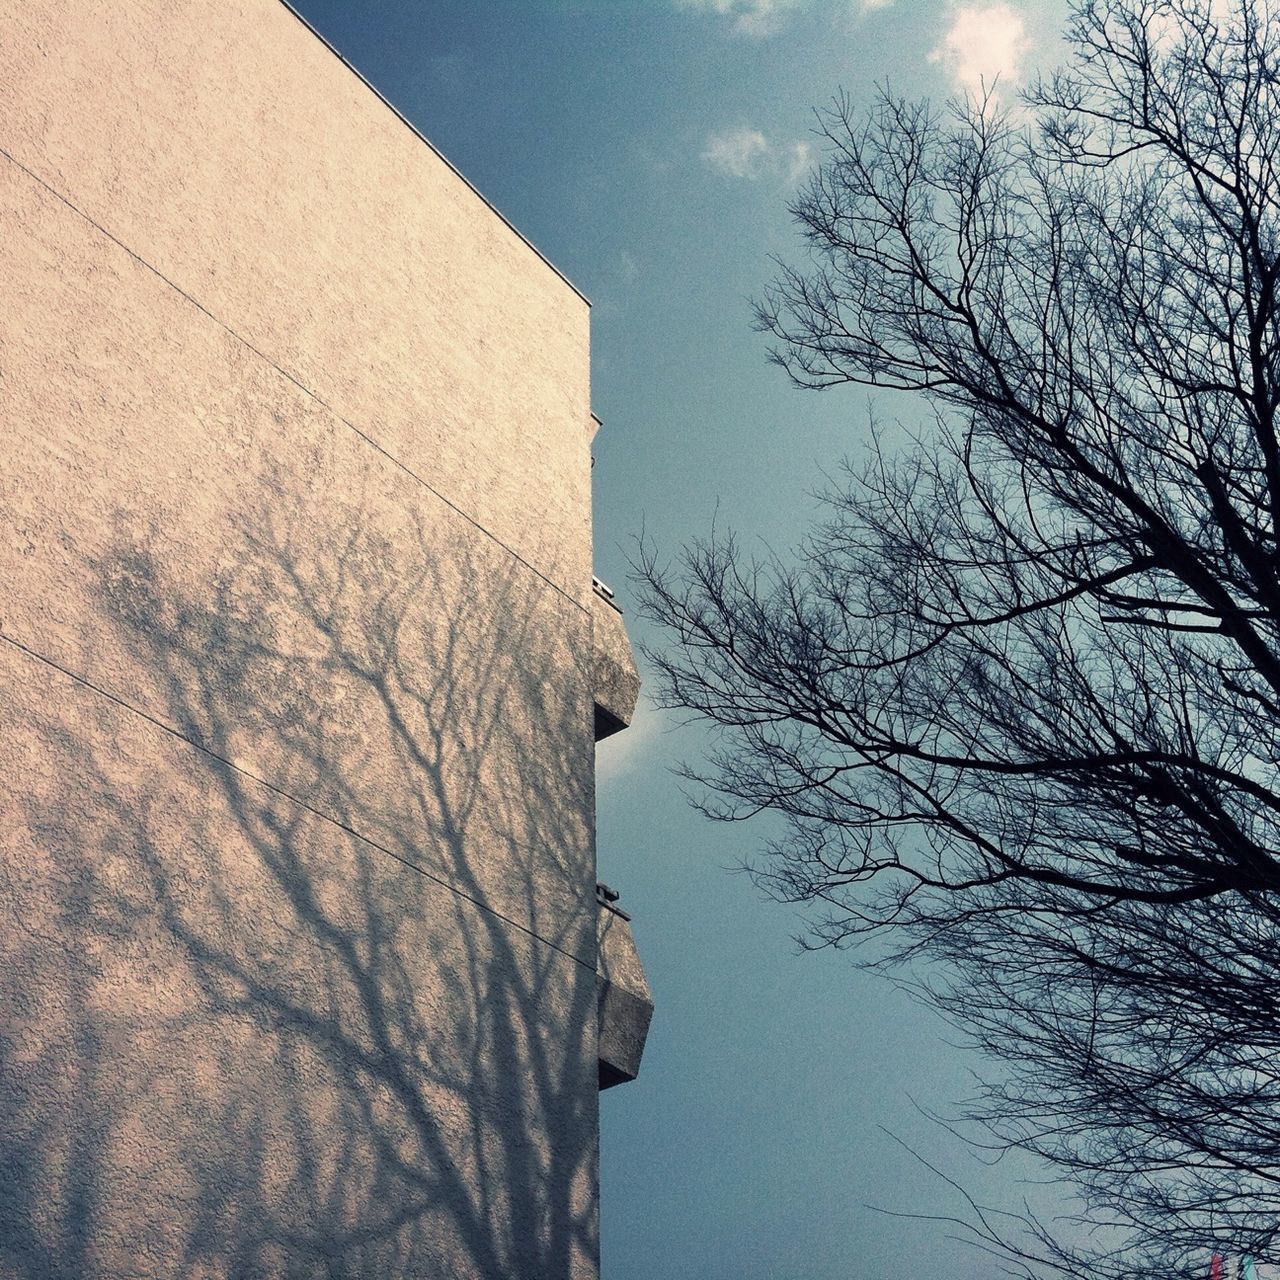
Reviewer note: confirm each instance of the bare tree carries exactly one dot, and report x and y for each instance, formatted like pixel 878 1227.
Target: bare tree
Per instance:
pixel 1139 1059
pixel 1019 696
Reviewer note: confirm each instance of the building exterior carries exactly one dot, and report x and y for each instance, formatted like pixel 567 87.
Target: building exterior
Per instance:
pixel 302 967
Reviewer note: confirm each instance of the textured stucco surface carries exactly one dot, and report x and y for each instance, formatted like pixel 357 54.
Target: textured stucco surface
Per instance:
pixel 240 1041
pixel 298 962
pixel 180 511
pixel 224 144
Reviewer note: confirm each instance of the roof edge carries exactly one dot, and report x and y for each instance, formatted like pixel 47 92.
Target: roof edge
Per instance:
pixel 422 137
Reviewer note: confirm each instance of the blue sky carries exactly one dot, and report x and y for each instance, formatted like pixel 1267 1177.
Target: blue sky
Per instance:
pixel 648 148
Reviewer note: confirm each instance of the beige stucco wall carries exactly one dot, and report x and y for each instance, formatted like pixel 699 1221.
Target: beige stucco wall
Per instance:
pixel 297 923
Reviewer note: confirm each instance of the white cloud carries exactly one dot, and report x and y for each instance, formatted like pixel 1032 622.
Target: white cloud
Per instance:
pixel 749 17
pixel 746 153
pixel 624 753
pixel 765 17
pixel 1165 31
pixel 984 41
pixel 739 153
pixel 799 160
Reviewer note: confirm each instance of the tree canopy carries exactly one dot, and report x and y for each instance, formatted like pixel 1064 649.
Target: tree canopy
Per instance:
pixel 1018 697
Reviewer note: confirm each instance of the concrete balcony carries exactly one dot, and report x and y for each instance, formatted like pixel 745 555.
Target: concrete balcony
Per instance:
pixel 615 681
pixel 623 999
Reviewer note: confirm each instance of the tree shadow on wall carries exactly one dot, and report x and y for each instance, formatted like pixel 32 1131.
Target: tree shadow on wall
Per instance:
pixel 299 966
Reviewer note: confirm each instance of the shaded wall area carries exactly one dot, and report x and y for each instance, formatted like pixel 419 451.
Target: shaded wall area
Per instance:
pixel 297 952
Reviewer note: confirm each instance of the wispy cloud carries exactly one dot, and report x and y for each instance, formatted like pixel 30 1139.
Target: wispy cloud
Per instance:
pixel 625 753
pixel 452 71
pixel 983 42
pixel 747 153
pixel 870 6
pixel 798 157
pixel 747 17
pixel 738 153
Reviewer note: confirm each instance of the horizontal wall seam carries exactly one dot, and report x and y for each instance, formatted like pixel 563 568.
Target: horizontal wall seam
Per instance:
pixel 284 373
pixel 157 723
